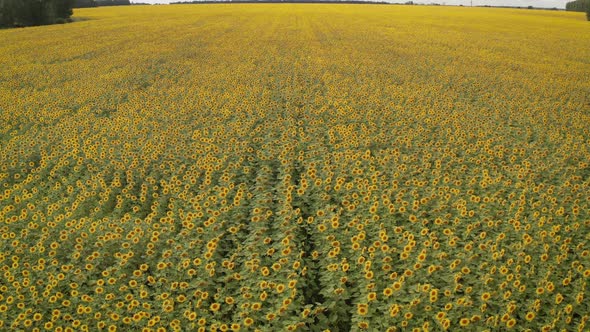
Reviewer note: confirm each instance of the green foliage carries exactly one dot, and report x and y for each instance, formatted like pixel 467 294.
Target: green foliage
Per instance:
pixel 578 6
pixel 113 2
pixel 63 9
pixel 19 13
pixel 100 3
pixel 4 11
pixel 84 3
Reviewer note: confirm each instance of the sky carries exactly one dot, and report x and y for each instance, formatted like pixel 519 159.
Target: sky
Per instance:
pixel 522 3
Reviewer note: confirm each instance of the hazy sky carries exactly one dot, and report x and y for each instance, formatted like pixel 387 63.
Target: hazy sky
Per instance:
pixel 536 3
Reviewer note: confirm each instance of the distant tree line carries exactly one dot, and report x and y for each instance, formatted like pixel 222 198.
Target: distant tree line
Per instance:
pixel 282 1
pixel 579 6
pixel 85 3
pixel 21 13
pixel 100 3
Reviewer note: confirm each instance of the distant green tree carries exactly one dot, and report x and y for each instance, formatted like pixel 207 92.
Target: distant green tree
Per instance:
pixel 33 12
pixel 113 2
pixel 5 13
pixel 578 6
pixel 15 13
pixel 84 3
pixel 63 9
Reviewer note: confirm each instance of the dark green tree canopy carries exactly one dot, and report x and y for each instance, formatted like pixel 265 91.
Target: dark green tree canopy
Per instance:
pixel 578 6
pixel 19 13
pixel 97 3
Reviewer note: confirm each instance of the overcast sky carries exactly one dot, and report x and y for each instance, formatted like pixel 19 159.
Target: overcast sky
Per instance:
pixel 536 3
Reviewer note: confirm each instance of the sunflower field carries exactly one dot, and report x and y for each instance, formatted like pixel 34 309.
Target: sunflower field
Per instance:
pixel 283 167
